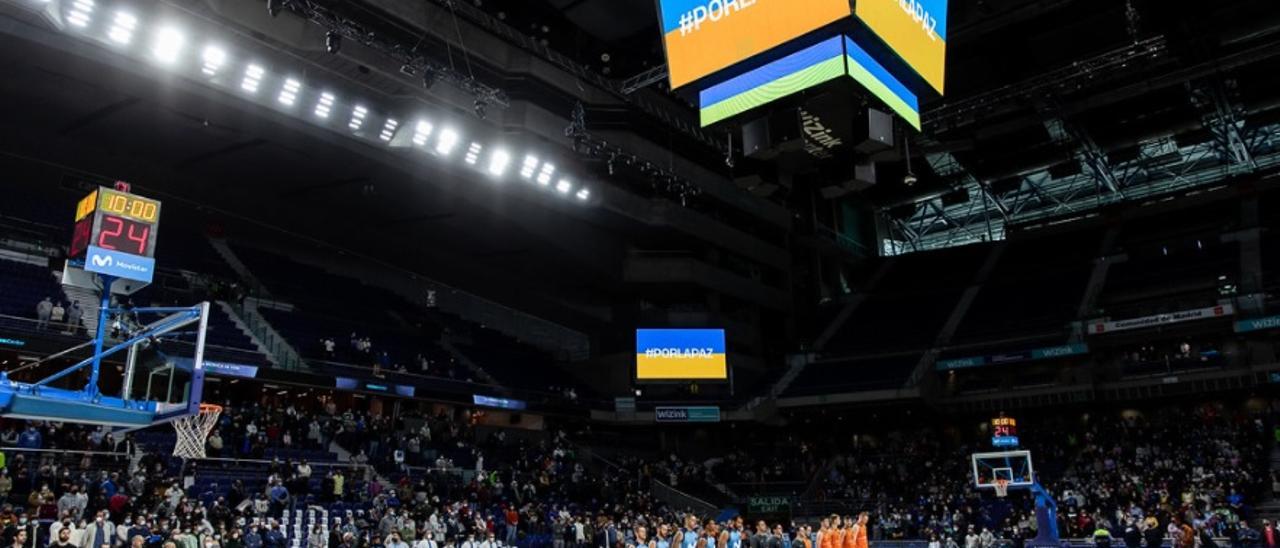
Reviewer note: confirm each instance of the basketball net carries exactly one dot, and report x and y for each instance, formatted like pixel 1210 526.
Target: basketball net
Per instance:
pixel 1002 488
pixel 193 430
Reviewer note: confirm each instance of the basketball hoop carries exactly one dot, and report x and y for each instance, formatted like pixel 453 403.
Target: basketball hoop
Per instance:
pixel 193 430
pixel 1002 487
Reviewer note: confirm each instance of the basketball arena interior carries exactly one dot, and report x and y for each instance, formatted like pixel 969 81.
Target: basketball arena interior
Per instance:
pixel 639 273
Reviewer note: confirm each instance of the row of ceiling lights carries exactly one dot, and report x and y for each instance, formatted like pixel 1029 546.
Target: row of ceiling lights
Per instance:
pixel 168 43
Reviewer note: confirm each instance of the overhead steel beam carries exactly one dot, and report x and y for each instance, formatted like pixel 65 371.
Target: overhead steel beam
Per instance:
pixel 644 79
pixel 1224 120
pixel 1161 168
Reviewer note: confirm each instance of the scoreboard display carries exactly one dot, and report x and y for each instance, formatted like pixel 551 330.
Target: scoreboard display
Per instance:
pixel 1004 432
pixel 115 234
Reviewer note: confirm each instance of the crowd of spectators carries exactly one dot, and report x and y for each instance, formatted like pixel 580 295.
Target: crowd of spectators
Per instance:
pixel 1201 467
pixel 435 478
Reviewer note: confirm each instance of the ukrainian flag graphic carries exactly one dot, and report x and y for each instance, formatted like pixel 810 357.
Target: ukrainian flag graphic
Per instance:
pixel 915 29
pixel 705 36
pixel 825 61
pixel 681 354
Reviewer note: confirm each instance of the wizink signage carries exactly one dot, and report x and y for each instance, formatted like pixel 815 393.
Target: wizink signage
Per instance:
pixel 1047 353
pixel 686 414
pixel 1258 324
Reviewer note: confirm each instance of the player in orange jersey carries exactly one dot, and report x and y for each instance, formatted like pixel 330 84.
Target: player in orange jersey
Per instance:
pixel 860 530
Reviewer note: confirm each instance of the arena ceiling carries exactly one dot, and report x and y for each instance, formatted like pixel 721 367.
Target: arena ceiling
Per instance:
pixel 1054 108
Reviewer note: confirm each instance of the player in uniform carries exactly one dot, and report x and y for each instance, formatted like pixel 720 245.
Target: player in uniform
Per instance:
pixel 830 528
pixel 860 530
pixel 711 535
pixel 688 537
pixel 663 539
pixel 734 533
pixel 640 538
pixel 850 532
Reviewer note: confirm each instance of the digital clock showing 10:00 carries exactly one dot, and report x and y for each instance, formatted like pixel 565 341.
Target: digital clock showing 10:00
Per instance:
pixel 128 205
pixel 113 220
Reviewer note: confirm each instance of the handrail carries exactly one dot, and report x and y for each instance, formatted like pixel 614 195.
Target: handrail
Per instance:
pixel 7 449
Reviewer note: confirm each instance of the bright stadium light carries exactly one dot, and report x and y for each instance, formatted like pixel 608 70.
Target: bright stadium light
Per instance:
pixel 357 117
pixel 564 186
pixel 530 165
pixel 498 162
pixel 448 138
pixel 81 13
pixel 252 78
pixel 473 153
pixel 544 176
pixel 583 194
pixel 168 45
pixel 122 27
pixel 289 92
pixel 421 132
pixel 389 129
pixel 324 105
pixel 214 58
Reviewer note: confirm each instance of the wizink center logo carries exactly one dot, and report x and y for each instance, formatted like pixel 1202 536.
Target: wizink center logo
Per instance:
pixel 691 21
pixel 922 17
pixel 671 414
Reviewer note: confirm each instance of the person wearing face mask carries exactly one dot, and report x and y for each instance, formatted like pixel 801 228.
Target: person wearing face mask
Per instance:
pixel 393 541
pixel 139 529
pixel 253 538
pixel 100 531
pixel 25 525
pixel 56 527
pixel 274 538
pixel 317 538
pixel 63 539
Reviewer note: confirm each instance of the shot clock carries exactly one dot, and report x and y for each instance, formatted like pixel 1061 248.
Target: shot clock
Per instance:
pixel 115 234
pixel 1004 432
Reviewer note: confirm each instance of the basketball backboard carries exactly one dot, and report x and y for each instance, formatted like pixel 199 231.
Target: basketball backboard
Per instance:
pixel 1012 466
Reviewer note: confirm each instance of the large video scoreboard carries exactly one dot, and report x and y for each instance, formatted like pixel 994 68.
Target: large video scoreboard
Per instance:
pixel 115 234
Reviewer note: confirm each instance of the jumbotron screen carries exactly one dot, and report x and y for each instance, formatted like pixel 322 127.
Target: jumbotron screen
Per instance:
pixel 680 354
pixel 706 36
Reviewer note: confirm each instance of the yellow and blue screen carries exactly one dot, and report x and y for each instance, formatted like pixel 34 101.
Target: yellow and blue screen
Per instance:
pixel 681 354
pixel 825 61
pixel 705 36
pixel 914 29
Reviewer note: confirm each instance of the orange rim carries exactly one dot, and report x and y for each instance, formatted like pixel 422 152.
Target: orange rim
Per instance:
pixel 210 408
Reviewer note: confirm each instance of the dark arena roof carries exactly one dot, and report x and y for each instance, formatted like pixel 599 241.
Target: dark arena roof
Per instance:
pixel 473 267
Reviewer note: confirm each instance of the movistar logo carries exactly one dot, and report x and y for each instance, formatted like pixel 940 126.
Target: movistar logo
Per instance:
pixel 102 260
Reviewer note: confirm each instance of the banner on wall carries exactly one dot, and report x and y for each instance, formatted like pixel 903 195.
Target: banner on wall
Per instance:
pixel 1258 324
pixel 1046 353
pixel 1098 327
pixel 686 414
